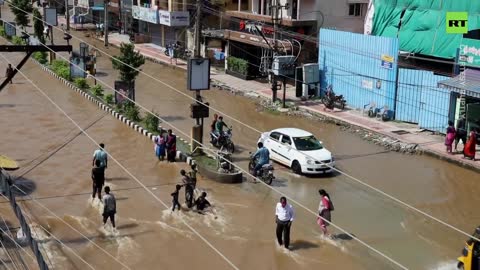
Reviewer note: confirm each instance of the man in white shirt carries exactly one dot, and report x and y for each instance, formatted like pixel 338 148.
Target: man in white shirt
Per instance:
pixel 284 216
pixel 100 154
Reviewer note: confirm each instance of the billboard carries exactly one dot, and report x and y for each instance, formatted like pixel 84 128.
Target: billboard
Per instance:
pixel 122 90
pixel 51 16
pixel 77 67
pixel 470 52
pixel 10 29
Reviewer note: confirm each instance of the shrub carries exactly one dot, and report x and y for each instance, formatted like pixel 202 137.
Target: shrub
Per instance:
pixel 131 111
pixel 151 122
pixel 237 65
pixel 2 31
pixel 40 57
pixel 97 90
pixel 109 98
pixel 81 83
pixel 18 41
pixel 61 68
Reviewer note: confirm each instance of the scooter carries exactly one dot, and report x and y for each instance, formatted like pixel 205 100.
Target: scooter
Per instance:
pixel 225 142
pixel 265 173
pixel 330 100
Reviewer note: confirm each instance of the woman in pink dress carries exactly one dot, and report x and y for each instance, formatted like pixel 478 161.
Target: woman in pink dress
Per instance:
pixel 450 138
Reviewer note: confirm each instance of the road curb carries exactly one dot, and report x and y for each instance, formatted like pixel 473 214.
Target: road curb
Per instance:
pixel 139 129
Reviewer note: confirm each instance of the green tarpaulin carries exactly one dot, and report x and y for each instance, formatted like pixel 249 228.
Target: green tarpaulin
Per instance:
pixel 423 24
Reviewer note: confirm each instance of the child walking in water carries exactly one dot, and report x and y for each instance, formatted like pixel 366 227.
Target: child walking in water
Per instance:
pixel 175 198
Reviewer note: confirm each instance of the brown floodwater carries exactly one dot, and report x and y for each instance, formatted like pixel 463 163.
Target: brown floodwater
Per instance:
pixel 242 227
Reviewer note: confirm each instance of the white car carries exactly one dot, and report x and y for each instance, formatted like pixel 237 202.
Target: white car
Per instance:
pixel 299 150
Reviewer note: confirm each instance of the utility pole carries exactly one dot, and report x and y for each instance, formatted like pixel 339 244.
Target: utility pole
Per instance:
pixel 67 15
pixel 197 130
pixel 105 23
pixel 275 19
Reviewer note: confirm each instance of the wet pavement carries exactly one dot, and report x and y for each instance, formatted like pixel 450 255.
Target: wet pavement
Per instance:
pixel 243 229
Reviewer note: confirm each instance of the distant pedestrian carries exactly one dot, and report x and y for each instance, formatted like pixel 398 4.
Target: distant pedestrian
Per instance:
pixel 171 146
pixel 160 143
pixel 175 198
pixel 284 216
pixel 9 72
pixel 324 211
pixel 461 132
pixel 98 179
pixel 470 148
pixel 109 207
pixel 101 155
pixel 46 32
pixel 450 137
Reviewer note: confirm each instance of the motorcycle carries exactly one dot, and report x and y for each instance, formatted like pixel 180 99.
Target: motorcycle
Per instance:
pixel 265 173
pixel 330 100
pixel 225 142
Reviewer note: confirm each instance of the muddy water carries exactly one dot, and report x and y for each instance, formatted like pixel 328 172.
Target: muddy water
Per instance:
pixel 243 229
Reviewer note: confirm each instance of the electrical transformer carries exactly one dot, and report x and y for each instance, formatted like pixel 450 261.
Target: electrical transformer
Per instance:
pixel 283 65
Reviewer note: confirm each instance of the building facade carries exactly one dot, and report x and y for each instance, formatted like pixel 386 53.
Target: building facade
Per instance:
pixel 161 22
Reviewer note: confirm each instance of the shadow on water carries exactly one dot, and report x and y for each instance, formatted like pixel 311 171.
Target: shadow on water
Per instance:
pixel 101 74
pixel 83 240
pixel 347 157
pixel 23 187
pixel 343 236
pixel 279 183
pixel 302 244
pixel 127 226
pixel 120 178
pixel 169 118
pixel 121 198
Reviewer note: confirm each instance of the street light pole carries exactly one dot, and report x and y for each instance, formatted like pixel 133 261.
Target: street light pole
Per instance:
pixel 105 22
pixel 67 15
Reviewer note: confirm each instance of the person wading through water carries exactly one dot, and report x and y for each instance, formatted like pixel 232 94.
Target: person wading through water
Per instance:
pixel 324 211
pixel 188 184
pixel 171 146
pixel 109 207
pixel 98 179
pixel 284 216
pixel 9 72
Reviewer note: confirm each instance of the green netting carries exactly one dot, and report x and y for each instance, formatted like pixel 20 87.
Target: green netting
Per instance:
pixel 423 24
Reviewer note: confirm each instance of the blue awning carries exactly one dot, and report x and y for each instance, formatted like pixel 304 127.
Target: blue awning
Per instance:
pixel 97 8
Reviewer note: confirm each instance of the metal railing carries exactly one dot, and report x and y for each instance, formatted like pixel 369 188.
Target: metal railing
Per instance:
pixel 6 182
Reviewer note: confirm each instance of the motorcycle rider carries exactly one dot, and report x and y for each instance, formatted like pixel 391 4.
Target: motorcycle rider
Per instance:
pixel 189 187
pixel 219 129
pixel 263 156
pixel 213 127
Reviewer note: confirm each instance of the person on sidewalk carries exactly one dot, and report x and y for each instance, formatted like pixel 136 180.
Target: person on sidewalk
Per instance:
pixel 98 179
pixel 284 217
pixel 109 207
pixel 100 155
pixel 471 145
pixel 450 137
pixel 171 146
pixel 461 132
pixel 324 211
pixel 159 147
pixel 9 72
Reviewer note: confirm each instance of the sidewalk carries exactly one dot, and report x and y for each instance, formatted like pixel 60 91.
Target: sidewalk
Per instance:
pixel 403 132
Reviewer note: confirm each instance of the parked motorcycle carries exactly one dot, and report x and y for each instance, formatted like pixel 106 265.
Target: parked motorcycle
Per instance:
pixel 178 51
pixel 225 142
pixel 331 101
pixel 265 173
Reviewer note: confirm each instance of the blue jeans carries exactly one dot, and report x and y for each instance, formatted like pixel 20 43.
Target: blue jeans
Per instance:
pixel 258 167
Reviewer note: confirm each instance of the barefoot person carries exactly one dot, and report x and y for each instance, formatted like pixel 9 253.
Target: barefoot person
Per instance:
pixel 324 211
pixel 109 207
pixel 283 216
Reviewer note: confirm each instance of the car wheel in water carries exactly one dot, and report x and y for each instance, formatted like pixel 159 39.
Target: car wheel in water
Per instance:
pixel 296 168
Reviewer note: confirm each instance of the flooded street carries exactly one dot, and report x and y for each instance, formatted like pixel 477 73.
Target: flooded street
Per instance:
pixel 242 228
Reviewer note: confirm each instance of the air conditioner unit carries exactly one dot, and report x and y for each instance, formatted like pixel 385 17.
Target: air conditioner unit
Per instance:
pixel 283 65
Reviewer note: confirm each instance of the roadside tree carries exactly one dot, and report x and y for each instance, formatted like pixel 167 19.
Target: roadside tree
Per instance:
pixel 38 25
pixel 21 10
pixel 127 63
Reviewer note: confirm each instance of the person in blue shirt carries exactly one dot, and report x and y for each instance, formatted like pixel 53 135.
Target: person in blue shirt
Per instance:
pixel 263 157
